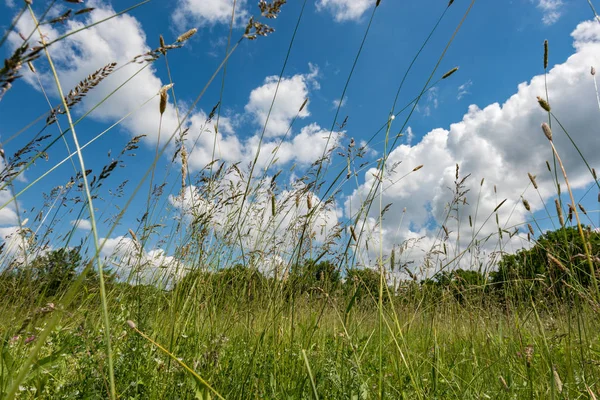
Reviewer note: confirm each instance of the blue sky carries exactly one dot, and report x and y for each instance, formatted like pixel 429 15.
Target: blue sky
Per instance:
pixel 499 47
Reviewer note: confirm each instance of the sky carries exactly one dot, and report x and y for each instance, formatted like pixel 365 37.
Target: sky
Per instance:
pixel 485 117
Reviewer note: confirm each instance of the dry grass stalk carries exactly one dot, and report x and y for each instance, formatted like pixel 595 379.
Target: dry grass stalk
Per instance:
pixel 502 382
pixel 184 165
pixel 82 89
pixel 557 262
pixel 557 381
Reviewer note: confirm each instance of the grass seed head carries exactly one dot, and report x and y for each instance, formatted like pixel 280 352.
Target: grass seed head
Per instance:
pixel 449 73
pixel 543 103
pixel 593 71
pixel 532 179
pixel 187 35
pixel 547 131
pixel 559 212
pixel 526 204
pixel 545 54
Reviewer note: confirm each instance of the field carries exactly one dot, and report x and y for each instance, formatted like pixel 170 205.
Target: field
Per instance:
pixel 182 274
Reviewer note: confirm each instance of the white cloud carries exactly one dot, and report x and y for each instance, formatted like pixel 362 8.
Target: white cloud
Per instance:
pixel 136 265
pixel 208 12
pixel 291 93
pixel 463 89
pixel 264 233
pixel 501 143
pixel 345 10
pixel 118 40
pixel 83 224
pixel 551 9
pixel 8 215
pixel 121 39
pixel 336 102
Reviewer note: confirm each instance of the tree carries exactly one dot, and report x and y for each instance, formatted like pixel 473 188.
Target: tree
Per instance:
pixel 54 271
pixel 558 257
pixel 310 275
pixel 364 282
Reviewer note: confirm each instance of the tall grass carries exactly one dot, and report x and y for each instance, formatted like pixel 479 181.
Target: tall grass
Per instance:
pixel 255 293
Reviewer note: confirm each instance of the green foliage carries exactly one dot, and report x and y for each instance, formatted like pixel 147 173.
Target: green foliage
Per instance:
pixel 364 281
pixel 55 270
pixel 310 276
pixel 557 258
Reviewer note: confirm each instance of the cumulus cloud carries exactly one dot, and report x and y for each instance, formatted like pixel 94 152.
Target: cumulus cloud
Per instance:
pixel 272 223
pixel 291 93
pixel 551 10
pixel 345 10
pixel 83 224
pixel 501 143
pixel 118 40
pixel 138 266
pixel 208 12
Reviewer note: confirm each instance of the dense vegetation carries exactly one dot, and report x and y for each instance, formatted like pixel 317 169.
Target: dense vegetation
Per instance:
pixel 230 282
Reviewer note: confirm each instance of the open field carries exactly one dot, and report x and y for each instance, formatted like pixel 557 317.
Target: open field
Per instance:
pixel 161 241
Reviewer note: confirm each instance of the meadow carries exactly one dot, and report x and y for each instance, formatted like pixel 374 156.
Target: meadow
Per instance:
pixel 229 280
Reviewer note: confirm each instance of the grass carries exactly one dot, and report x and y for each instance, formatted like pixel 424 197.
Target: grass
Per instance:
pixel 255 295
